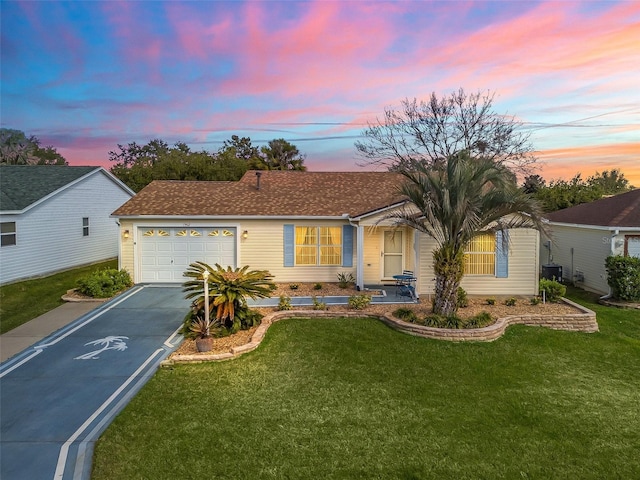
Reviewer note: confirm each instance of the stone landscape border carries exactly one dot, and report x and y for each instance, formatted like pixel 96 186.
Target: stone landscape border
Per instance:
pixel 585 321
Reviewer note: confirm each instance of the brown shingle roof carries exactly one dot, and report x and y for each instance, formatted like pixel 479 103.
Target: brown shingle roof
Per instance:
pixel 282 193
pixel 621 210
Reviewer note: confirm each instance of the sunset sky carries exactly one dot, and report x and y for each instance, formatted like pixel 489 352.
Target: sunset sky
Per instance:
pixel 85 76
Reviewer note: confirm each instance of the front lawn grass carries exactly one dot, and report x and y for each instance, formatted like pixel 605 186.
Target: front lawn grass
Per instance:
pixel 353 399
pixel 24 301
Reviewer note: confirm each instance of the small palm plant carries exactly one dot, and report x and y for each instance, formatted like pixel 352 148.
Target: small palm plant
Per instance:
pixel 228 290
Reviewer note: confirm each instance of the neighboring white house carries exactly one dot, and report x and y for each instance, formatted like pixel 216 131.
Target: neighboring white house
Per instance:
pixel 585 235
pixel 304 227
pixel 54 218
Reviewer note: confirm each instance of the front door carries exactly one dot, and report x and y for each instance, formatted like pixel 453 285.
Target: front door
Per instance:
pixel 392 253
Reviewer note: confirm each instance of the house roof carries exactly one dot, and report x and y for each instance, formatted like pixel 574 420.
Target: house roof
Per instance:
pixel 24 185
pixel 281 193
pixel 621 210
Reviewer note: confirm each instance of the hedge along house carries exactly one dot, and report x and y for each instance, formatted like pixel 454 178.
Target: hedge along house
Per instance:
pixel 56 217
pixel 303 227
pixel 585 235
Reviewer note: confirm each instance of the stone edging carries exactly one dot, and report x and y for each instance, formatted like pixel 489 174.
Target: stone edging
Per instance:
pixel 579 322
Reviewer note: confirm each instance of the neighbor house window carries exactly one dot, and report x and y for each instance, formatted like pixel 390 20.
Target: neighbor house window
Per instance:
pixel 8 233
pixel 318 245
pixel 480 255
pixel 85 226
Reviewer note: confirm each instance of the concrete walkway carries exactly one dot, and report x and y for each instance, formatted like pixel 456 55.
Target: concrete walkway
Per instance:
pixel 27 334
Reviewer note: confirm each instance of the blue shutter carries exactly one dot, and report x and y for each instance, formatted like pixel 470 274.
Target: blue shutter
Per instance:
pixel 289 245
pixel 347 246
pixel 502 254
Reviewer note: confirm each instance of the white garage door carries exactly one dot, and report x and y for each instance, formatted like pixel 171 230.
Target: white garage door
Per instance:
pixel 165 253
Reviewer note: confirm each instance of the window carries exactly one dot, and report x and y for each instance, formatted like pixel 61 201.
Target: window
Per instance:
pixel 632 246
pixel 318 245
pixel 480 255
pixel 8 233
pixel 85 226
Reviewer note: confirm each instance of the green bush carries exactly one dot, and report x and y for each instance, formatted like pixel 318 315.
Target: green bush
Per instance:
pixel 318 305
pixel 359 302
pixel 317 286
pixel 104 283
pixel 345 279
pixel 461 298
pixel 480 320
pixel 491 301
pixel 293 286
pixel 623 276
pixel 284 303
pixel 406 314
pixel 552 289
pixel 510 302
pixel 535 301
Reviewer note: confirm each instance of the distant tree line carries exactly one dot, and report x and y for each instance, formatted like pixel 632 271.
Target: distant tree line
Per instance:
pixel 18 149
pixel 559 194
pixel 138 165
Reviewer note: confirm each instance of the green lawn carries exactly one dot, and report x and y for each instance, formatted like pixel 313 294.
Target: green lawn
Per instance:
pixel 24 301
pixel 353 399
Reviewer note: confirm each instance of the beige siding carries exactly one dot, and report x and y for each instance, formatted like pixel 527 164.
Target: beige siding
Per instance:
pixel 580 250
pixel 523 268
pixel 125 257
pixel 264 250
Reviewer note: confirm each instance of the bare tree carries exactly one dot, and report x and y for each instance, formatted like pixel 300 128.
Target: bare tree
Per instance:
pixel 428 132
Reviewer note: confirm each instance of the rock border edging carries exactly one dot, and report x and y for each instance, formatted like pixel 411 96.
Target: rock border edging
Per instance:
pixel 580 322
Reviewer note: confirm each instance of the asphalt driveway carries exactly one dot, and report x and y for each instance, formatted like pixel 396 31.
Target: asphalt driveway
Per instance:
pixel 57 396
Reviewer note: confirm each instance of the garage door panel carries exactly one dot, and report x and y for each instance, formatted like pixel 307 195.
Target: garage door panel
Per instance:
pixel 165 258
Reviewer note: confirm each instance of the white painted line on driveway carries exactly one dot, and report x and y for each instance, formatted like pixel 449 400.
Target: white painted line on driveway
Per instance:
pixel 64 451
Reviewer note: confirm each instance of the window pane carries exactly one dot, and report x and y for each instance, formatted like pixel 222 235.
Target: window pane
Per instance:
pixel 331 236
pixel 85 221
pixel 306 255
pixel 480 256
pixel 330 255
pixel 8 239
pixel 306 235
pixel 8 227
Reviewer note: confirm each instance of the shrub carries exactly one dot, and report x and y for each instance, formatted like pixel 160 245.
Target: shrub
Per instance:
pixel 461 299
pixel 623 276
pixel 535 301
pixel 317 286
pixel 284 303
pixel 318 305
pixel 480 320
pixel 406 314
pixel 293 286
pixel 104 283
pixel 441 321
pixel 345 279
pixel 359 302
pixel 510 302
pixel 491 301
pixel 228 289
pixel 552 289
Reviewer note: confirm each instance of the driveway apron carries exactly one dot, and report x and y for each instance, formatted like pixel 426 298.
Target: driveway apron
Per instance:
pixel 58 396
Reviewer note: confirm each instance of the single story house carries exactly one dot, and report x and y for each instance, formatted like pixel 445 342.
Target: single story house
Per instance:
pixel 53 218
pixel 585 235
pixel 303 227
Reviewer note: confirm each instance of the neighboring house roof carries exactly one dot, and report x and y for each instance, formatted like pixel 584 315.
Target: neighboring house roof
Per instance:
pixel 621 210
pixel 281 193
pixel 22 186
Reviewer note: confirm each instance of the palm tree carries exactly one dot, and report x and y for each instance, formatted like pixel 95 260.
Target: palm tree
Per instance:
pixel 458 199
pixel 228 288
